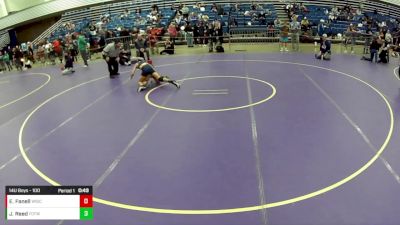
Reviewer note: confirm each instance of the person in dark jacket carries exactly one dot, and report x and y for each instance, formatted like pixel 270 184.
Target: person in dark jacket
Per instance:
pixel 169 48
pixel 125 57
pixel 68 68
pixel 324 49
pixel 142 47
pixel 374 49
pixel 18 56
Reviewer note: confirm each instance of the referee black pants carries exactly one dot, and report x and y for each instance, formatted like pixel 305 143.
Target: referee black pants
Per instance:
pixel 113 66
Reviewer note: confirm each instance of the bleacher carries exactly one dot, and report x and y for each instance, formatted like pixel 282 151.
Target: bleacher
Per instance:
pixel 82 17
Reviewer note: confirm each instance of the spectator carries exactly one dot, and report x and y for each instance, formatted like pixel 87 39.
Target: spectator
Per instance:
pixel 154 7
pixel 142 47
pixel 30 52
pixel 141 21
pixel 73 48
pixel 2 63
pixel 169 48
pixel 335 10
pixel 368 37
pixel 195 33
pixel 82 46
pixel 110 54
pixel 321 27
pixel 152 39
pixel 24 49
pixel 359 12
pixel 189 35
pixel 202 31
pixel 374 49
pixel 153 16
pixel 295 30
pixel 305 24
pixel 205 18
pixel 18 56
pixel 214 8
pixel 271 31
pixel 6 59
pixel 10 54
pixel 262 18
pixel 284 37
pixel 220 10
pixel 236 7
pixel 332 18
pixel 101 43
pixel 40 53
pixel 303 8
pixel 201 6
pixel 27 64
pixel 68 68
pixel 172 32
pixel 125 14
pixel 185 12
pixel 350 37
pixel 232 21
pixel 277 23
pixel 49 52
pixel 253 6
pixel 212 34
pixel 193 17
pixel 178 20
pixel 125 57
pixel 324 49
pixel 388 38
pixel 57 48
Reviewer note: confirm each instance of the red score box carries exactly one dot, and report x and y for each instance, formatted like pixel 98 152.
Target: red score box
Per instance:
pixel 86 201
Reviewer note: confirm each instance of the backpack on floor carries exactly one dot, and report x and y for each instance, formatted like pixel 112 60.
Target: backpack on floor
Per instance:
pixel 219 48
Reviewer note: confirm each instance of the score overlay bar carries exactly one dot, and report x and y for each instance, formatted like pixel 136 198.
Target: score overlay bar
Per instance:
pixel 49 203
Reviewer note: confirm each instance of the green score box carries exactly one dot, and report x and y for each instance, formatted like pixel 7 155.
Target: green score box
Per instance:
pixel 86 214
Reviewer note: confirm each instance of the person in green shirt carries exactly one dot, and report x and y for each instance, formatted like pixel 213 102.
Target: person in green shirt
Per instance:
pixel 6 60
pixel 2 64
pixel 82 45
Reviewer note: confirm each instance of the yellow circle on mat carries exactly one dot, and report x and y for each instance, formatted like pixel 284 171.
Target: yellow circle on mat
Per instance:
pixel 147 97
pixel 229 210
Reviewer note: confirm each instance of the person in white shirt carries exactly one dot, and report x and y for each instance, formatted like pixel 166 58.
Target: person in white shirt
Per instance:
pixel 110 54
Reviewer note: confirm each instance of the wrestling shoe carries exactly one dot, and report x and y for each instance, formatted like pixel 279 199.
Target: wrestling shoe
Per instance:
pixel 141 88
pixel 175 83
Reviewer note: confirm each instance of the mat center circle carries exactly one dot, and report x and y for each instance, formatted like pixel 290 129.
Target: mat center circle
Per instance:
pixel 225 92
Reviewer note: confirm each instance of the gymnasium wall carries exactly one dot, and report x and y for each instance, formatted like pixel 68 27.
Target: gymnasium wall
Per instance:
pixel 3 9
pixel 26 32
pixel 17 5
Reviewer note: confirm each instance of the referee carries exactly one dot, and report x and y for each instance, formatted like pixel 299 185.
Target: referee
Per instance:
pixel 110 54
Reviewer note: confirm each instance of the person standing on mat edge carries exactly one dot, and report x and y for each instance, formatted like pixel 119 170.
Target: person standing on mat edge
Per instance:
pixel 295 29
pixel 110 54
pixel 141 47
pixel 68 68
pixel 284 37
pixel 82 45
pixel 324 49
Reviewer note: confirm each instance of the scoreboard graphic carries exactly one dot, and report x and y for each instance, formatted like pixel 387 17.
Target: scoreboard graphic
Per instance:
pixel 49 203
